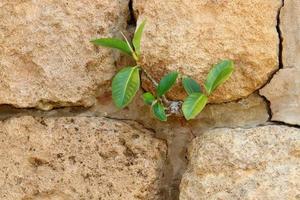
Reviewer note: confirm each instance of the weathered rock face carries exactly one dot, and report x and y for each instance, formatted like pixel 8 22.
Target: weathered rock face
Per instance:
pixel 283 92
pixel 190 36
pixel 258 163
pixel 247 112
pixel 46 59
pixel 78 158
pixel 290 30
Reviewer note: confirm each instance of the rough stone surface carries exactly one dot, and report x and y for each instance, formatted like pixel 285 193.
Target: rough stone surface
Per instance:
pixel 261 163
pixel 190 36
pixel 78 158
pixel 290 30
pixel 46 58
pixel 283 92
pixel 248 112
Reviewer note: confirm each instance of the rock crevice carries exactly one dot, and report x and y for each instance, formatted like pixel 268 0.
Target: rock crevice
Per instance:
pixel 282 91
pixel 83 142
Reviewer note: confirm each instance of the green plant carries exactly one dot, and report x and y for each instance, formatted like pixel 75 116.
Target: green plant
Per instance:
pixel 126 82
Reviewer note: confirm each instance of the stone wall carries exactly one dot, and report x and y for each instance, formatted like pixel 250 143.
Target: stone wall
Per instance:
pixel 61 137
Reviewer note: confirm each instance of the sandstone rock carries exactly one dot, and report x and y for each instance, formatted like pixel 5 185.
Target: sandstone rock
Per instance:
pixel 283 92
pixel 78 158
pixel 190 36
pixel 248 112
pixel 178 133
pixel 46 59
pixel 260 163
pixel 290 29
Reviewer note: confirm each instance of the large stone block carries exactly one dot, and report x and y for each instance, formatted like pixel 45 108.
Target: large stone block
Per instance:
pixel 46 59
pixel 260 163
pixel 283 92
pixel 78 158
pixel 191 36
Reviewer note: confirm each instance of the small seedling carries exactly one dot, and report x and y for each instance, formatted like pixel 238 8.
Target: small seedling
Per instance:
pixel 127 82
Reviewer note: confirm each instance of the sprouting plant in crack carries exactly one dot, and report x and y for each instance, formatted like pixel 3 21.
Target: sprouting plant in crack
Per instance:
pixel 127 82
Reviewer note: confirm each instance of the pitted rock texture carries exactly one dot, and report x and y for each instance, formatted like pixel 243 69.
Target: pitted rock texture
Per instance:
pixel 46 59
pixel 261 163
pixel 283 92
pixel 78 158
pixel 248 112
pixel 290 31
pixel 191 36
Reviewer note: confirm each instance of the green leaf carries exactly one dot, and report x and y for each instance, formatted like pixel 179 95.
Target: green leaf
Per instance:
pixel 218 75
pixel 190 85
pixel 125 85
pixel 159 112
pixel 148 98
pixel 113 43
pixel 166 83
pixel 193 105
pixel 137 38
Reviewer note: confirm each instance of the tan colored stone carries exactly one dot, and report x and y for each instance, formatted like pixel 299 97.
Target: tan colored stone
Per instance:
pixel 248 112
pixel 190 36
pixel 290 30
pixel 78 158
pixel 261 163
pixel 46 59
pixel 283 92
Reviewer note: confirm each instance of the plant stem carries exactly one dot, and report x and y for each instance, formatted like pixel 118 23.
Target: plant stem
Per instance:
pixel 173 107
pixel 163 98
pixel 149 77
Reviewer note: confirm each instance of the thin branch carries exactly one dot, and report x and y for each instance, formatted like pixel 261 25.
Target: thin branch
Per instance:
pixel 149 77
pixel 163 98
pixel 173 107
